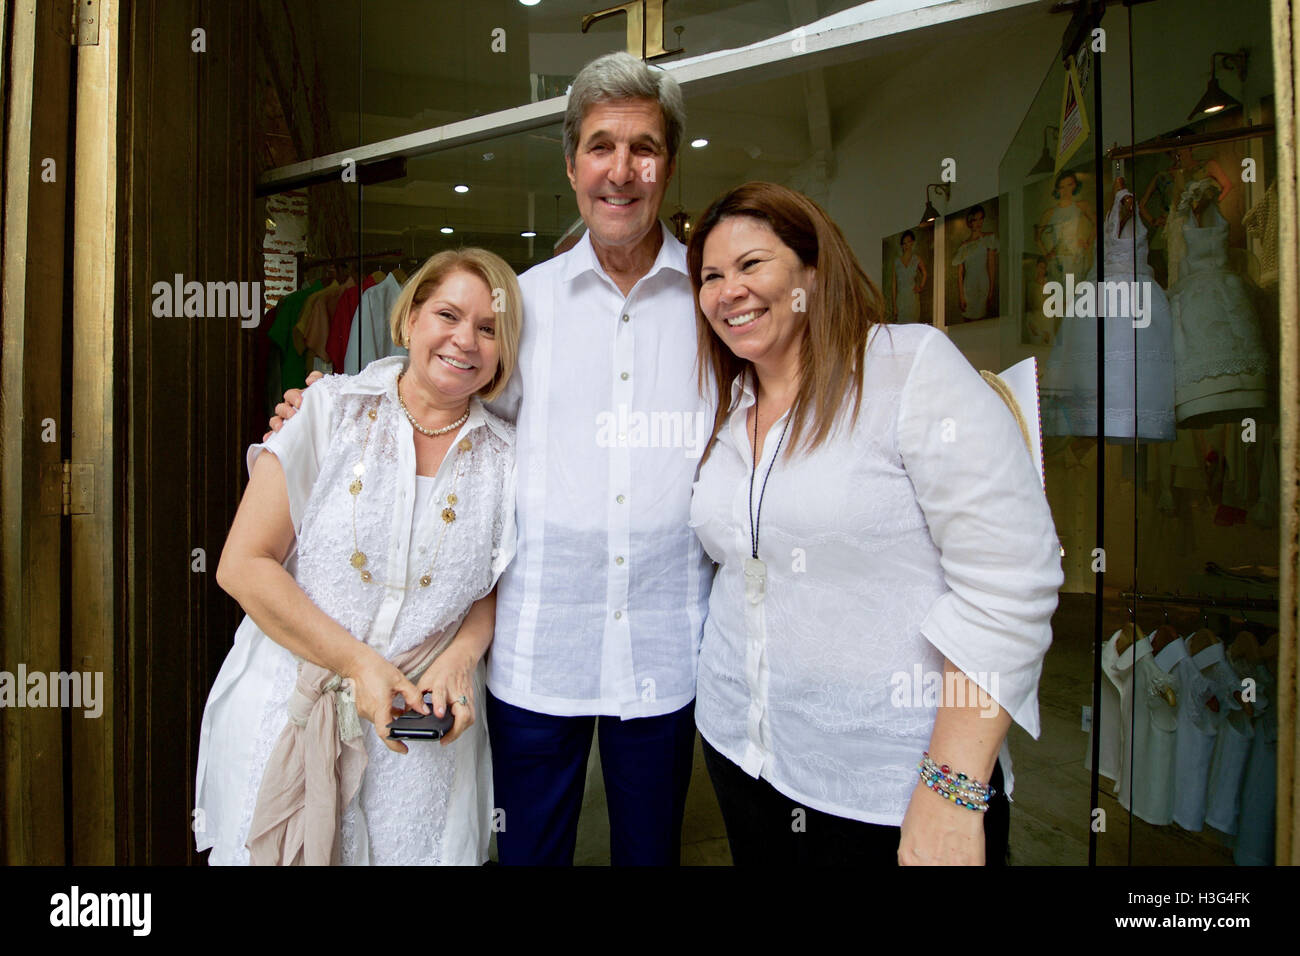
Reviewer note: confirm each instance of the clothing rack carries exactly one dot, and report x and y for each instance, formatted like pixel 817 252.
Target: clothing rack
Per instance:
pixel 306 263
pixel 1163 144
pixel 1237 604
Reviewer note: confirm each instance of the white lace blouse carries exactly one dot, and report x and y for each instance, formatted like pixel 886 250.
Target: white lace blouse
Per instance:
pixel 432 805
pixel 920 532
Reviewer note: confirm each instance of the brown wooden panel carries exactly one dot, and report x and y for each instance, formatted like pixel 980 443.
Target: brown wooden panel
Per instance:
pixel 36 107
pixel 190 206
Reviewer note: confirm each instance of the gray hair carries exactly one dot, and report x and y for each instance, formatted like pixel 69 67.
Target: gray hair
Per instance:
pixel 621 76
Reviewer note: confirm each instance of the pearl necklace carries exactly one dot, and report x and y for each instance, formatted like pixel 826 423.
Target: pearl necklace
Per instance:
pixel 429 432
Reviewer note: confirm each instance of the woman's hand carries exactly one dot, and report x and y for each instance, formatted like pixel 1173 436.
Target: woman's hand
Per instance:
pixel 937 832
pixel 375 683
pixel 447 679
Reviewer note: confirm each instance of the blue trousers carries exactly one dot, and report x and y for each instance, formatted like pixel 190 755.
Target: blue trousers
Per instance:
pixel 539 766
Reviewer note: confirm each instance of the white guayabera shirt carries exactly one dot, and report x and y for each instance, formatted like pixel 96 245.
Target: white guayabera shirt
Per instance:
pixel 918 532
pixel 602 610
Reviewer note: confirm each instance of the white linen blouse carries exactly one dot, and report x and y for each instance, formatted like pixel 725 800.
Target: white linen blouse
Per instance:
pixel 433 804
pixel 921 531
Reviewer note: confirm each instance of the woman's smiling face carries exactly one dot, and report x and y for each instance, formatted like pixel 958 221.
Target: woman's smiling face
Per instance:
pixel 452 337
pixel 750 285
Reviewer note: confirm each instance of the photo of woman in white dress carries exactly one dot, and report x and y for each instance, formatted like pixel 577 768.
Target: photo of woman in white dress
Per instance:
pixel 907 258
pixel 1066 230
pixel 973 290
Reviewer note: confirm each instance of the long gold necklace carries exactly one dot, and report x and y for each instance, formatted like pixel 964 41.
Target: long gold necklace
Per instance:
pixel 359 558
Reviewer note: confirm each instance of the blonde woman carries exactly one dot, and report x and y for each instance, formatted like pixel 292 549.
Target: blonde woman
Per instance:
pixel 366 551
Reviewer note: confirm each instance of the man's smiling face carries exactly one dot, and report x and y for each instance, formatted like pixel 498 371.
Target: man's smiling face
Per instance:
pixel 620 171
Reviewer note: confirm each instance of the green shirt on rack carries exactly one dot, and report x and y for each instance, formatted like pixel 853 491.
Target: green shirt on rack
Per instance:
pixel 293 367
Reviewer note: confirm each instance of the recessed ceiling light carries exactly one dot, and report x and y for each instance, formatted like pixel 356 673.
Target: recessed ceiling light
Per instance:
pixel 461 188
pixel 530 3
pixel 446 230
pixel 528 234
pixel 699 143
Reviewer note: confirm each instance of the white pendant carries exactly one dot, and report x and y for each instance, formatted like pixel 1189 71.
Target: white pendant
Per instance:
pixel 755 580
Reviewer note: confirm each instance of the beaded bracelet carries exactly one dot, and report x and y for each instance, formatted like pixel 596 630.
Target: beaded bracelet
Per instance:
pixel 958 788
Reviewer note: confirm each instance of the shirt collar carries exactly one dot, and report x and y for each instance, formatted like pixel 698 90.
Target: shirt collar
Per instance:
pixel 1208 655
pixel 380 378
pixel 582 257
pixel 1169 655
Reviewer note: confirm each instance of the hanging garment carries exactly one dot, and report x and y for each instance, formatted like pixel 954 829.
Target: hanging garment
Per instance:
pixel 1257 821
pixel 1220 363
pixel 974 255
pixel 906 297
pixel 1147 725
pixel 1194 735
pixel 372 336
pixel 314 324
pixel 1231 746
pixel 336 346
pixel 1107 722
pixel 293 369
pixel 1139 360
pixel 1261 222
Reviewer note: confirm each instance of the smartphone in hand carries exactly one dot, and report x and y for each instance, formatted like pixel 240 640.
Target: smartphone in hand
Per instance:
pixel 414 725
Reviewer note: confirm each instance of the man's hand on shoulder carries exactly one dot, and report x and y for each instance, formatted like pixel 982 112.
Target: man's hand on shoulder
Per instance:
pixel 289 407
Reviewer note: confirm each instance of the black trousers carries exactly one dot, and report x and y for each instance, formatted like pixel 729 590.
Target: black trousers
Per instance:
pixel 760 825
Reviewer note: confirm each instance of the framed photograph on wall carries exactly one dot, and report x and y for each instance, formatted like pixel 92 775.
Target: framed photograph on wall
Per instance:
pixel 971 248
pixel 907 275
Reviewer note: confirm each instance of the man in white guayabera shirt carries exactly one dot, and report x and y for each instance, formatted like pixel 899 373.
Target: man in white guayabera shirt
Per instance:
pixel 600 615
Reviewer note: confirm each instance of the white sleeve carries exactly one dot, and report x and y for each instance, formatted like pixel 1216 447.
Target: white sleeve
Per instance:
pixel 989 518
pixel 506 405
pixel 301 445
pixel 505 539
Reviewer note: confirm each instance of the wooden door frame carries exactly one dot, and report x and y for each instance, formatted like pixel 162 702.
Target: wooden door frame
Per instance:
pixel 1286 82
pixel 38 62
pixel 96 554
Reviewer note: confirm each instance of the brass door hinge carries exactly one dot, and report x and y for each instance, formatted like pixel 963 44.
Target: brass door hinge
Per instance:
pixel 68 488
pixel 85 23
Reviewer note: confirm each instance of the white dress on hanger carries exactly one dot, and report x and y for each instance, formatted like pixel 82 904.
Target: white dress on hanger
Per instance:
pixel 1108 752
pixel 1147 754
pixel 1231 748
pixel 1193 737
pixel 1257 822
pixel 1144 355
pixel 1221 364
pixel 433 804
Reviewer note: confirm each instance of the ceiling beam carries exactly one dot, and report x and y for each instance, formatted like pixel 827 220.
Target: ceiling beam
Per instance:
pixel 839 38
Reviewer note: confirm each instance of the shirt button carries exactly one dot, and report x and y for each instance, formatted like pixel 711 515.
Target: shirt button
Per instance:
pixel 619 559
pixel 627 318
pixel 423 549
pixel 624 376
pixel 620 499
pixel 618 615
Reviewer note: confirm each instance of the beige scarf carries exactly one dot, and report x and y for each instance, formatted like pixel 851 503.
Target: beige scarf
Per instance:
pixel 317 765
